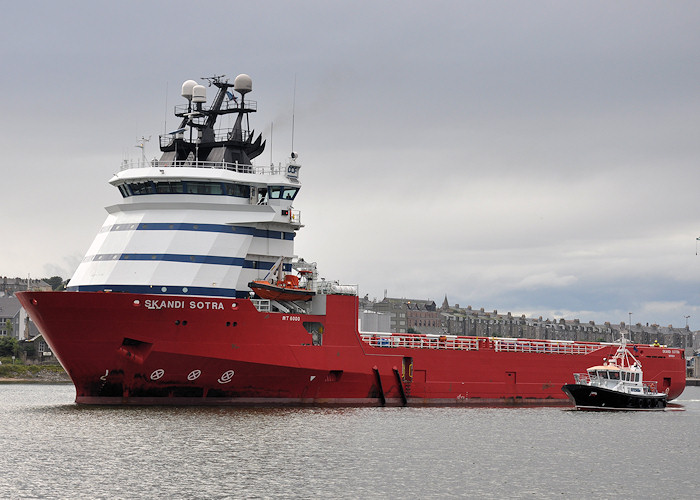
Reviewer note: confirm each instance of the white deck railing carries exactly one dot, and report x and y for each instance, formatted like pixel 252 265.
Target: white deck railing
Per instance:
pixel 423 341
pixel 543 346
pixel 221 165
pixel 419 341
pixel 648 386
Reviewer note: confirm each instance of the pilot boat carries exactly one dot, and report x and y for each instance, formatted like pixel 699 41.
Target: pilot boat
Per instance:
pixel 617 384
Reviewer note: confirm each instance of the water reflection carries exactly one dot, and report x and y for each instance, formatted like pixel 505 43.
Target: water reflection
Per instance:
pixel 64 450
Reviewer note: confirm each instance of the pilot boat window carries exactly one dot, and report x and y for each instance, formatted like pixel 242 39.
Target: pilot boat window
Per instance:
pixel 614 375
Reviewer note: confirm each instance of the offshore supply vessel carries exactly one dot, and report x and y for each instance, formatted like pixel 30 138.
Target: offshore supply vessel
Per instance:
pixel 191 294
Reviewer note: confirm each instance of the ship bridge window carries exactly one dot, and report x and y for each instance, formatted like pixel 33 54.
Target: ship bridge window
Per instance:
pixel 238 190
pixel 275 192
pixel 139 188
pixel 614 376
pixel 184 187
pixel 168 187
pixel 204 188
pixel 282 192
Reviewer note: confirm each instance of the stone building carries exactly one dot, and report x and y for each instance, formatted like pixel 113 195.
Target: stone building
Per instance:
pixel 408 315
pixel 9 286
pixel 422 316
pixel 13 318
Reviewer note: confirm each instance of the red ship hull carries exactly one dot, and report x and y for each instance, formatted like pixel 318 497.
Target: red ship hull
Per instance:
pixel 122 348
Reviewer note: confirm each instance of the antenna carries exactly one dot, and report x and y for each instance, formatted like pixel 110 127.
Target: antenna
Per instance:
pixel 294 105
pixel 272 124
pixel 165 121
pixel 142 146
pixel 213 79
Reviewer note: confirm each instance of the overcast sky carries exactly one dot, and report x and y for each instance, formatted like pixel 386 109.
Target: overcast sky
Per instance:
pixel 533 157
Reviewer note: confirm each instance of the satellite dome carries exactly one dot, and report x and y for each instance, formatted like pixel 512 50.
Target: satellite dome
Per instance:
pixel 187 88
pixel 243 84
pixel 199 93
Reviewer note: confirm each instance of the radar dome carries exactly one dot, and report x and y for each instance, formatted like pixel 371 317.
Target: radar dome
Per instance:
pixel 199 93
pixel 243 84
pixel 187 88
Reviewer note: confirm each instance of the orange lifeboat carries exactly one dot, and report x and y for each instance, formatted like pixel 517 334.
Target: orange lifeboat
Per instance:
pixel 288 289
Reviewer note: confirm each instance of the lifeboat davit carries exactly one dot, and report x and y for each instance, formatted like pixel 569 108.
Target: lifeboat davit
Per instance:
pixel 288 289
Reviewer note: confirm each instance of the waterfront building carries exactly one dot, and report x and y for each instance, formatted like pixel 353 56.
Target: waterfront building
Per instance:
pixel 13 318
pixel 9 286
pixel 422 316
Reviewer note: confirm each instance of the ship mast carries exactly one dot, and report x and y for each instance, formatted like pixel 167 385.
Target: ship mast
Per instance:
pixel 233 146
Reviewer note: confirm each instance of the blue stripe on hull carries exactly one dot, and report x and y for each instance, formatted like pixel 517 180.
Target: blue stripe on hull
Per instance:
pixel 210 228
pixel 191 259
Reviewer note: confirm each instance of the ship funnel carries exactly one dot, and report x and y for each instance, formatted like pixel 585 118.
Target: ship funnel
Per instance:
pixel 243 84
pixel 187 89
pixel 199 93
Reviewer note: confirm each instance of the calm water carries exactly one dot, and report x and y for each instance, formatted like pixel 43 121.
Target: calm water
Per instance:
pixel 52 448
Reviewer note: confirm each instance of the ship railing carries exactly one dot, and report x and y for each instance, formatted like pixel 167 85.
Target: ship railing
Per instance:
pixel 582 378
pixel 182 109
pixel 222 165
pixel 420 341
pixel 220 135
pixel 262 305
pixel 324 287
pixel 543 346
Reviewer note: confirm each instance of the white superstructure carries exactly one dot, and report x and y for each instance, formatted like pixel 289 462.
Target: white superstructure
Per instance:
pixel 202 220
